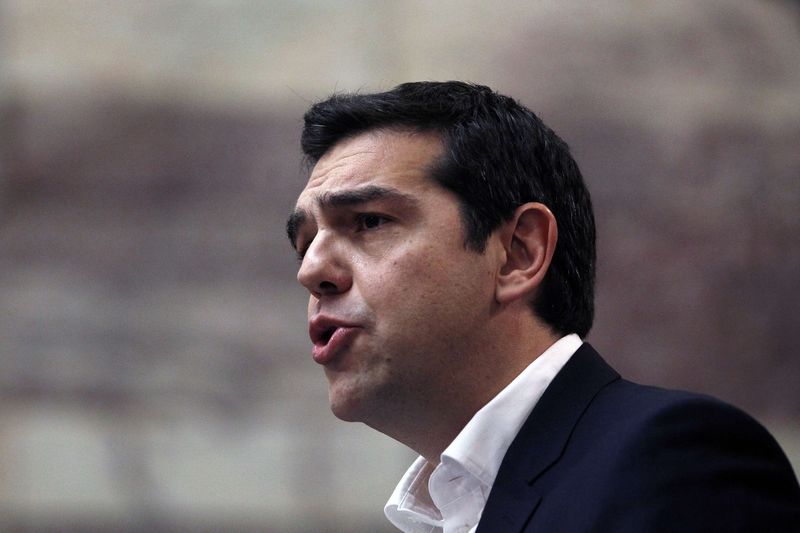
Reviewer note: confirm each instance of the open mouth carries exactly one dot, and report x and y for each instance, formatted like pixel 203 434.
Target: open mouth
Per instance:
pixel 331 338
pixel 327 334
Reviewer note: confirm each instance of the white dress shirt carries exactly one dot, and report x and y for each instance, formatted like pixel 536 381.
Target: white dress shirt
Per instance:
pixel 450 497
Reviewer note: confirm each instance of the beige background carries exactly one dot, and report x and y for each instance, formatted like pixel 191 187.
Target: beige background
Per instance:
pixel 154 367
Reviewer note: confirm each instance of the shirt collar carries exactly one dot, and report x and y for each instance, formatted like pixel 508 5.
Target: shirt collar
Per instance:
pixel 410 507
pixel 458 487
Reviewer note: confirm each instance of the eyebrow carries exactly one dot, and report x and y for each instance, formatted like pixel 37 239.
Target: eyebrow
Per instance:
pixel 348 198
pixel 368 193
pixel 293 223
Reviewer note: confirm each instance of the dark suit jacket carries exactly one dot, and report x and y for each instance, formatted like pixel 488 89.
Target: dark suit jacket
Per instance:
pixel 602 454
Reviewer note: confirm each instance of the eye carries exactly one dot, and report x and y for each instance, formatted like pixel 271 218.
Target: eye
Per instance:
pixel 302 248
pixel 368 221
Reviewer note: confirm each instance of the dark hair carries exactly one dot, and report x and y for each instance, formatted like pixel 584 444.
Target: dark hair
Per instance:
pixel 497 156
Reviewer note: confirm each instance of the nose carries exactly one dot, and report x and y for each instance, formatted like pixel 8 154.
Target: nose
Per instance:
pixel 324 271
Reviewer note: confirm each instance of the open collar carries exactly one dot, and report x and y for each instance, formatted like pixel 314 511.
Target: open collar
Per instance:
pixel 542 440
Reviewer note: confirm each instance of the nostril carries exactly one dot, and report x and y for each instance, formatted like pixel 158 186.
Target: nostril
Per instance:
pixel 327 286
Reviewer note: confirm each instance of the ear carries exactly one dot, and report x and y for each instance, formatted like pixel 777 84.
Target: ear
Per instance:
pixel 529 240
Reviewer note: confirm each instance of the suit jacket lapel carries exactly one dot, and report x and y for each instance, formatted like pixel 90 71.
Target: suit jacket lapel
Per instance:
pixel 542 439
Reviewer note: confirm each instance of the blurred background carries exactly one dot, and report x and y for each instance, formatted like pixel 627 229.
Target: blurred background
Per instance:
pixel 155 371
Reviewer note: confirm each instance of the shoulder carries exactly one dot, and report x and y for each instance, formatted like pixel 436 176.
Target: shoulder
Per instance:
pixel 644 416
pixel 632 408
pixel 646 427
pixel 687 457
pixel 599 453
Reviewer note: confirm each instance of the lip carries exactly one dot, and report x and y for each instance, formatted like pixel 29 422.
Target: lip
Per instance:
pixel 330 336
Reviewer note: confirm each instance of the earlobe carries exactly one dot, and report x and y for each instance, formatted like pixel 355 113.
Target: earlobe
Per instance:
pixel 529 240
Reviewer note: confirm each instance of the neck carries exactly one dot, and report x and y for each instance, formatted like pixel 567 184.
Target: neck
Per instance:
pixel 427 423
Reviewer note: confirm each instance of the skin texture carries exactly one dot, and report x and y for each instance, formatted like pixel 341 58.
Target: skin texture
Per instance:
pixel 433 330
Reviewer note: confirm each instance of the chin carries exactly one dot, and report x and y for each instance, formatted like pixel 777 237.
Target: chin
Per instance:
pixel 345 412
pixel 344 415
pixel 346 407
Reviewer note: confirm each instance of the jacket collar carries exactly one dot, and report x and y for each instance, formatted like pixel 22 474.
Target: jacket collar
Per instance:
pixel 542 439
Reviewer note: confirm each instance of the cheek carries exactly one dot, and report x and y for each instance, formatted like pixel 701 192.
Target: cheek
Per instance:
pixel 418 285
pixel 398 282
pixel 414 271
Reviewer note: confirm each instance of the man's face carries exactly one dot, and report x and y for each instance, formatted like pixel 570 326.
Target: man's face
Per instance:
pixel 397 303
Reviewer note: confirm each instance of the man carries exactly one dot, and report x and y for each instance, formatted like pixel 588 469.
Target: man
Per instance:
pixel 447 240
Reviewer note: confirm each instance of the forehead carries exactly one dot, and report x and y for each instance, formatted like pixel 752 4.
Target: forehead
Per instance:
pixel 398 159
